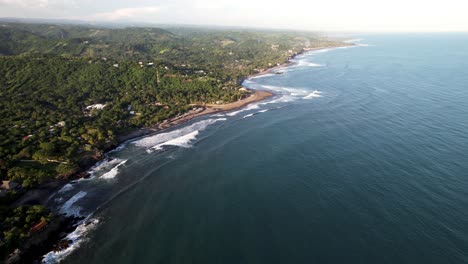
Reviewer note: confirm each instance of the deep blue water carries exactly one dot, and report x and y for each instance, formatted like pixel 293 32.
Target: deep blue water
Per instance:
pixel 371 168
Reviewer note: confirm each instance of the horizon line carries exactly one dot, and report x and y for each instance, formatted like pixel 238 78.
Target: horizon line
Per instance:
pixel 71 21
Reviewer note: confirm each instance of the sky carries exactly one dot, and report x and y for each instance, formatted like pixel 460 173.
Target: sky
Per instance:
pixel 323 15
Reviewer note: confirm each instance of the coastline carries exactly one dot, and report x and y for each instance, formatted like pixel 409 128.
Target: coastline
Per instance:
pixel 44 192
pixel 201 110
pixel 289 62
pixel 197 111
pixel 62 225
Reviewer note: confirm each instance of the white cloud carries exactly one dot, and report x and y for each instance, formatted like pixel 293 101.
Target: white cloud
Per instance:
pixel 357 15
pixel 24 3
pixel 128 13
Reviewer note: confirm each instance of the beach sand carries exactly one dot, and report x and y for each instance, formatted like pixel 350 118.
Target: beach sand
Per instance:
pixel 197 111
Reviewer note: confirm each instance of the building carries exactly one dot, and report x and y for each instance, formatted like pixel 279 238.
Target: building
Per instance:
pixel 9 185
pixel 27 137
pixel 39 226
pixel 96 106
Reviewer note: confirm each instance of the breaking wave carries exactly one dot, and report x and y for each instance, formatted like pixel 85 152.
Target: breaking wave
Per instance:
pixel 313 94
pixel 74 239
pixel 252 114
pixel 306 63
pixel 69 208
pixel 113 172
pixel 248 108
pixel 261 76
pixel 67 187
pixel 103 167
pixel 290 94
pixel 181 137
pixel 182 141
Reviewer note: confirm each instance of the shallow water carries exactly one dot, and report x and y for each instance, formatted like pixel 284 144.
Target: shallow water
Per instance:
pixel 361 157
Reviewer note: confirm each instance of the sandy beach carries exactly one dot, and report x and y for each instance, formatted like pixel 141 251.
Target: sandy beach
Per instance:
pixel 197 111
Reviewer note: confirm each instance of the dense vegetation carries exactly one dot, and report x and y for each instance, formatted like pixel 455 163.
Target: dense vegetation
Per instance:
pixel 51 76
pixel 44 102
pixel 17 222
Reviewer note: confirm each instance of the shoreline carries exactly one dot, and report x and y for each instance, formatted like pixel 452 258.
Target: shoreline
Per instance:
pixel 63 225
pixel 289 62
pixel 197 111
pixel 42 193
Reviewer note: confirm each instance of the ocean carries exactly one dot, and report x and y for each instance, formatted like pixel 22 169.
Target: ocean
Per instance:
pixel 360 157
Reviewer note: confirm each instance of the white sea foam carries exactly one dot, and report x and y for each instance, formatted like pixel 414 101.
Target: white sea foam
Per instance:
pixel 320 51
pixel 66 188
pixel 353 40
pixel 313 94
pixel 252 114
pixel 76 238
pixel 181 137
pixel 68 208
pixel 306 63
pixel 249 115
pixel 182 141
pixel 119 148
pixel 248 108
pixel 113 172
pixel 261 76
pixel 102 167
pixel 289 94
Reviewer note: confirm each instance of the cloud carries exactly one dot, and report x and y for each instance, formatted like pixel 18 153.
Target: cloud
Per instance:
pixel 127 13
pixel 24 3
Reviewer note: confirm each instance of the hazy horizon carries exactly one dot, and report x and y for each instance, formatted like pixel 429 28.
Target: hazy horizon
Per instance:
pixel 332 15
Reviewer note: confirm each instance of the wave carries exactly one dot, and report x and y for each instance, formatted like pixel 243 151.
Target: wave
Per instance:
pixel 313 94
pixel 69 208
pixel 182 141
pixel 180 137
pixel 252 114
pixel 289 94
pixel 353 40
pixel 249 115
pixel 113 172
pixel 66 188
pixel 74 239
pixel 261 76
pixel 248 108
pixel 101 168
pixel 320 51
pixel 118 148
pixel 306 63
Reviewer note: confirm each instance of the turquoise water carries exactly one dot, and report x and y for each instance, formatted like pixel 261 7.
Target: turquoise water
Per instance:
pixel 361 157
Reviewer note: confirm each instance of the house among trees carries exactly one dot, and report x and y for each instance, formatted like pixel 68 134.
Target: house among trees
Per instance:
pixel 39 226
pixel 96 106
pixel 9 185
